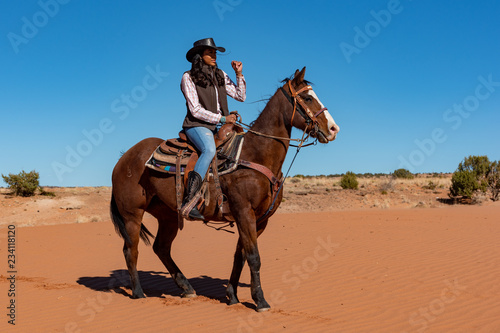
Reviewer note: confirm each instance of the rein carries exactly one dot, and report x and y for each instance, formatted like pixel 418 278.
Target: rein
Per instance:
pixel 300 141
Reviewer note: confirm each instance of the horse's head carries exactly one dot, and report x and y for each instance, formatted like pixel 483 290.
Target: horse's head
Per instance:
pixel 309 114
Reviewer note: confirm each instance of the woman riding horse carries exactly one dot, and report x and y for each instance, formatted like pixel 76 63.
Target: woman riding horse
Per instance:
pixel 205 88
pixel 138 189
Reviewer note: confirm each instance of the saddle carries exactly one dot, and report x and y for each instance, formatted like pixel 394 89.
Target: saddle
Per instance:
pixel 179 154
pixel 178 157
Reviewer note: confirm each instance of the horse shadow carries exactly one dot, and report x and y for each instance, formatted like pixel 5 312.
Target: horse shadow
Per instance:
pixel 157 284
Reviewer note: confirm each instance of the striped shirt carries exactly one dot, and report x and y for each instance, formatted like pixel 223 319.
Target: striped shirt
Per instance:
pixel 236 91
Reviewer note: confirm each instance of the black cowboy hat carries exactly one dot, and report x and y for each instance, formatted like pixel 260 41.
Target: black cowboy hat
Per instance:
pixel 200 45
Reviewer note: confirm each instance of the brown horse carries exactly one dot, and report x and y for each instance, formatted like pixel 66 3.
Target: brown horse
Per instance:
pixel 138 189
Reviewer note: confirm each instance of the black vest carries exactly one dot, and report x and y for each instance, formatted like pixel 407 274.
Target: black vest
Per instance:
pixel 207 100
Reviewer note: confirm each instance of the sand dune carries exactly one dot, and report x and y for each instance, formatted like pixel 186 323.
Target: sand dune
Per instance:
pixel 408 270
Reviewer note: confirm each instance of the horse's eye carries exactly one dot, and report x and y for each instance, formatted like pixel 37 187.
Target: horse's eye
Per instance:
pixel 308 99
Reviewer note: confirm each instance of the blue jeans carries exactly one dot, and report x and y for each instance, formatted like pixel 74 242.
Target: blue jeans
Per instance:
pixel 203 139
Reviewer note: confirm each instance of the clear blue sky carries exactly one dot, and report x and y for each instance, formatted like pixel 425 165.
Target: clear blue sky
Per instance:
pixel 413 84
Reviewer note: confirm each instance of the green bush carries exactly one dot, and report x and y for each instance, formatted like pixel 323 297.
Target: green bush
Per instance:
pixel 470 176
pixel 403 173
pixel 464 184
pixel 23 184
pixel 349 181
pixel 430 186
pixel 479 165
pixel 493 179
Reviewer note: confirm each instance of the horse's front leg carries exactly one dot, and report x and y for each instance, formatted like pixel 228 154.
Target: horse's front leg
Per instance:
pixel 239 262
pixel 248 237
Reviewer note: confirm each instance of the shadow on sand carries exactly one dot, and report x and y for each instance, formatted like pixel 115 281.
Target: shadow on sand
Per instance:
pixel 157 284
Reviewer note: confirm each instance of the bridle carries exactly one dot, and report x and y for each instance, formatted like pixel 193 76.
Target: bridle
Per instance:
pixel 310 117
pixel 312 124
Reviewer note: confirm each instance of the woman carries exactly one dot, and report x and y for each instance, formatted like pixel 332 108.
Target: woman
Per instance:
pixel 205 88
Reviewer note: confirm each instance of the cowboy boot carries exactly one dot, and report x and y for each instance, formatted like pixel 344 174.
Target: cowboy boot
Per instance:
pixel 193 186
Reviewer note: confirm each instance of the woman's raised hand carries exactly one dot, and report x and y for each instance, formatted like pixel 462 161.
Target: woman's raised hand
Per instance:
pixel 237 66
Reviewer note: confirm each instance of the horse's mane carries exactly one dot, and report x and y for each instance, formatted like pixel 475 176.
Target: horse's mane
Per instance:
pixel 285 80
pixel 260 100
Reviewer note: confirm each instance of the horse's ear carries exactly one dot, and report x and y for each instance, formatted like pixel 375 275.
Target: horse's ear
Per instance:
pixel 299 76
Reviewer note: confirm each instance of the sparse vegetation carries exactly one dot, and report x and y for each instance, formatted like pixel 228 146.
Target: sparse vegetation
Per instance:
pixel 430 186
pixel 493 179
pixel 475 175
pixel 468 178
pixel 349 181
pixel 403 173
pixel 387 186
pixel 48 193
pixel 23 184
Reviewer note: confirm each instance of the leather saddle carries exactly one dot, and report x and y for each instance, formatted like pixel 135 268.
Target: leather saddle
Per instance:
pixel 180 153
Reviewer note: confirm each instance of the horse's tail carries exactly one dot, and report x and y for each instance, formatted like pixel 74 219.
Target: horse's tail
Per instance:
pixel 119 224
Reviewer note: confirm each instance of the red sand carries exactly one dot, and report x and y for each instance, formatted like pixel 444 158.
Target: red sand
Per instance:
pixel 411 270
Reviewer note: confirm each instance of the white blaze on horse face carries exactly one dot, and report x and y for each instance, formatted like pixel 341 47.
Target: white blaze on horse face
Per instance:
pixel 334 128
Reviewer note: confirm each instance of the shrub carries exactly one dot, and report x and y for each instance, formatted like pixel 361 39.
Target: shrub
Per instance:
pixel 470 176
pixel 48 193
pixel 430 186
pixel 479 165
pixel 463 183
pixel 349 181
pixel 403 173
pixel 387 185
pixel 23 184
pixel 493 179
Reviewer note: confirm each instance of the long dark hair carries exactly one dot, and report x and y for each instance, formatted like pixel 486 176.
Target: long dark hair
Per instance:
pixel 201 73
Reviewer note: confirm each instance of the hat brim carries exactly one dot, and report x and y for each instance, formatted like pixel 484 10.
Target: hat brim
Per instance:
pixel 192 52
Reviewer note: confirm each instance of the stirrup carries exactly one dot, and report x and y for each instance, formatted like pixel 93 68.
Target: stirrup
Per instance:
pixel 190 206
pixel 190 211
pixel 194 214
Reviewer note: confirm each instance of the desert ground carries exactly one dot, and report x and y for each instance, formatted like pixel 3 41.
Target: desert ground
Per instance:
pixel 392 256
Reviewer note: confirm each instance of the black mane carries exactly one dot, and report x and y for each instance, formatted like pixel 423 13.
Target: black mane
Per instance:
pixel 291 78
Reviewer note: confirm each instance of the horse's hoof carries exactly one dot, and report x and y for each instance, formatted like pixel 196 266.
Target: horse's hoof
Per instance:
pixel 232 299
pixel 233 302
pixel 264 309
pixel 190 295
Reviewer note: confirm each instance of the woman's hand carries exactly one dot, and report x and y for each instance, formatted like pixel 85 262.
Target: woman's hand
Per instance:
pixel 231 119
pixel 237 66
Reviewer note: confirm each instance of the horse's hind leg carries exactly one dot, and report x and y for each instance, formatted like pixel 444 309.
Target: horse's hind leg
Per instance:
pixel 167 230
pixel 131 253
